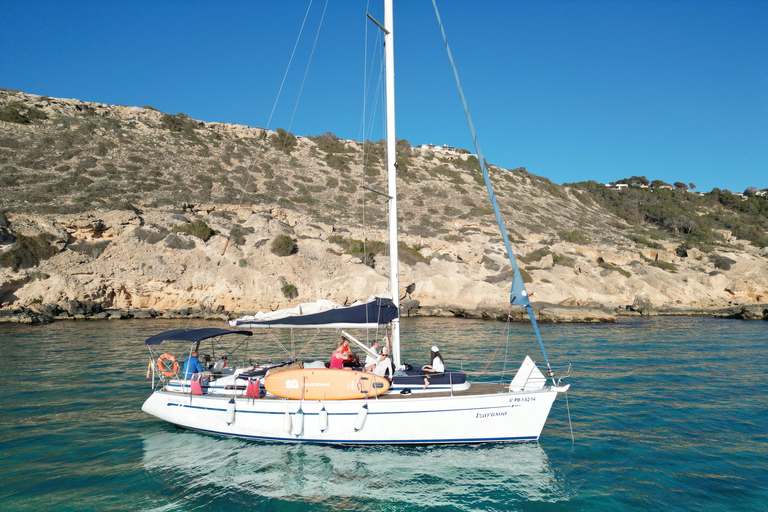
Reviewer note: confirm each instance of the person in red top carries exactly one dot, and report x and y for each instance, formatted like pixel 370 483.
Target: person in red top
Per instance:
pixel 341 354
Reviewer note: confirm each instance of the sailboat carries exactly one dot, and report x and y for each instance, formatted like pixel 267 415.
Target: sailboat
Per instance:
pixel 242 402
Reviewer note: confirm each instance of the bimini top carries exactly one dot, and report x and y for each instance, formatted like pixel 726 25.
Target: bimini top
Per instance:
pixel 191 335
pixel 324 314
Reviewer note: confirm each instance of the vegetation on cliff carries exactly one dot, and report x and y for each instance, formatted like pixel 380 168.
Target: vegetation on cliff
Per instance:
pixel 65 156
pixel 694 219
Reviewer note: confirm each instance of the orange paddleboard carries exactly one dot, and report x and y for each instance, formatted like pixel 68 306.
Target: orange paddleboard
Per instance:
pixel 325 384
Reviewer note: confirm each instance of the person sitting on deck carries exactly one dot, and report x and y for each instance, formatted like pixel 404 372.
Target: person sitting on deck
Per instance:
pixel 436 369
pixel 220 364
pixel 371 361
pixel 192 365
pixel 384 364
pixel 340 354
pixel 353 361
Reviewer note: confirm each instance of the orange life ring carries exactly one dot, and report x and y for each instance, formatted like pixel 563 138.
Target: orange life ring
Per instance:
pixel 161 365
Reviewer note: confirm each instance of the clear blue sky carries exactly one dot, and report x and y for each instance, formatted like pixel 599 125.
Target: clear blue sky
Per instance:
pixel 572 90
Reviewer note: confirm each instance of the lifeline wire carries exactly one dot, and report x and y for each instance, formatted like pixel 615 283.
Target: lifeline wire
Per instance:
pixel 506 328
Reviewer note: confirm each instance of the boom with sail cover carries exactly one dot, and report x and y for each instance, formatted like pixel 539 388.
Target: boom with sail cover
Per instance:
pixel 368 315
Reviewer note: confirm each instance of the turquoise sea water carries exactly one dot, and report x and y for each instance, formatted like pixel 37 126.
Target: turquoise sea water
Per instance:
pixel 668 414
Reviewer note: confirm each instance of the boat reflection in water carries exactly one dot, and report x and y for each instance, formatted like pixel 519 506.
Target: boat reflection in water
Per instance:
pixel 426 476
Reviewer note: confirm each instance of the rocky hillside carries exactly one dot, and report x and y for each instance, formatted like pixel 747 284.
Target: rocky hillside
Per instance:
pixel 133 209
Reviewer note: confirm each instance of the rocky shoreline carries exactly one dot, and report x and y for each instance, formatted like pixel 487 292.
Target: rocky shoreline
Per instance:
pixel 545 313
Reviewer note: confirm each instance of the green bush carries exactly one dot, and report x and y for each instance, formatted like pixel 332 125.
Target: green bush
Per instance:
pixel 534 256
pixel 37 275
pixel 283 140
pixel 196 228
pixel 644 241
pixel 409 255
pixel 690 216
pixel 682 250
pixel 28 251
pixel 329 143
pixel 373 153
pixel 574 237
pixel 120 205
pixel 358 247
pixel 180 123
pixel 723 262
pixel 290 291
pixel 669 267
pixel 283 245
pixel 613 268
pixel 19 113
pixel 565 261
pixel 336 161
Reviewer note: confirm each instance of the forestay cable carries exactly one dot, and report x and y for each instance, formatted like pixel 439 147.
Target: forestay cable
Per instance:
pixel 518 295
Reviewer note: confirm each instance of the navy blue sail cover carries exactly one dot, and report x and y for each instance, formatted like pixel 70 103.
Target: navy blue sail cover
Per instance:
pixel 191 335
pixel 380 311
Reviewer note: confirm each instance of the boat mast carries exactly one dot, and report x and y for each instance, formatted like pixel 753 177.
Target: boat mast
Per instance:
pixel 394 273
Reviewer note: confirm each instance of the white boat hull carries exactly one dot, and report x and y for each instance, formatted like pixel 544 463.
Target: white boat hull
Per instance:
pixel 496 417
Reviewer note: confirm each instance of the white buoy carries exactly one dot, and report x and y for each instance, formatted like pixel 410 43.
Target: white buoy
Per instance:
pixel 323 420
pixel 298 425
pixel 360 421
pixel 231 411
pixel 287 422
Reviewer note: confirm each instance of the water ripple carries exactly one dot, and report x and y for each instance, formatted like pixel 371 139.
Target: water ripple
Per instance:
pixel 668 413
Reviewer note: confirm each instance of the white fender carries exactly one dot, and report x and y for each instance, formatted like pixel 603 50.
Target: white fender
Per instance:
pixel 287 422
pixel 360 421
pixel 298 425
pixel 323 420
pixel 231 411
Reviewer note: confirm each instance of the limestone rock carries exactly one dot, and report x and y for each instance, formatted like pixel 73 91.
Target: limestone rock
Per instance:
pixel 575 315
pixel 695 254
pixel 408 307
pixel 643 305
pixel 754 313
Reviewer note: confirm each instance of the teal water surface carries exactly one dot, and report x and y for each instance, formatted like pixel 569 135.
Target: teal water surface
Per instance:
pixel 668 413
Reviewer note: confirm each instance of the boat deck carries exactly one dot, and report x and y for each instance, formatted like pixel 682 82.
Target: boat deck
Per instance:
pixel 477 388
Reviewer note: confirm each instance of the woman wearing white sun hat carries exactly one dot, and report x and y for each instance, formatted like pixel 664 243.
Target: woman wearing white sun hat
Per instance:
pixel 435 369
